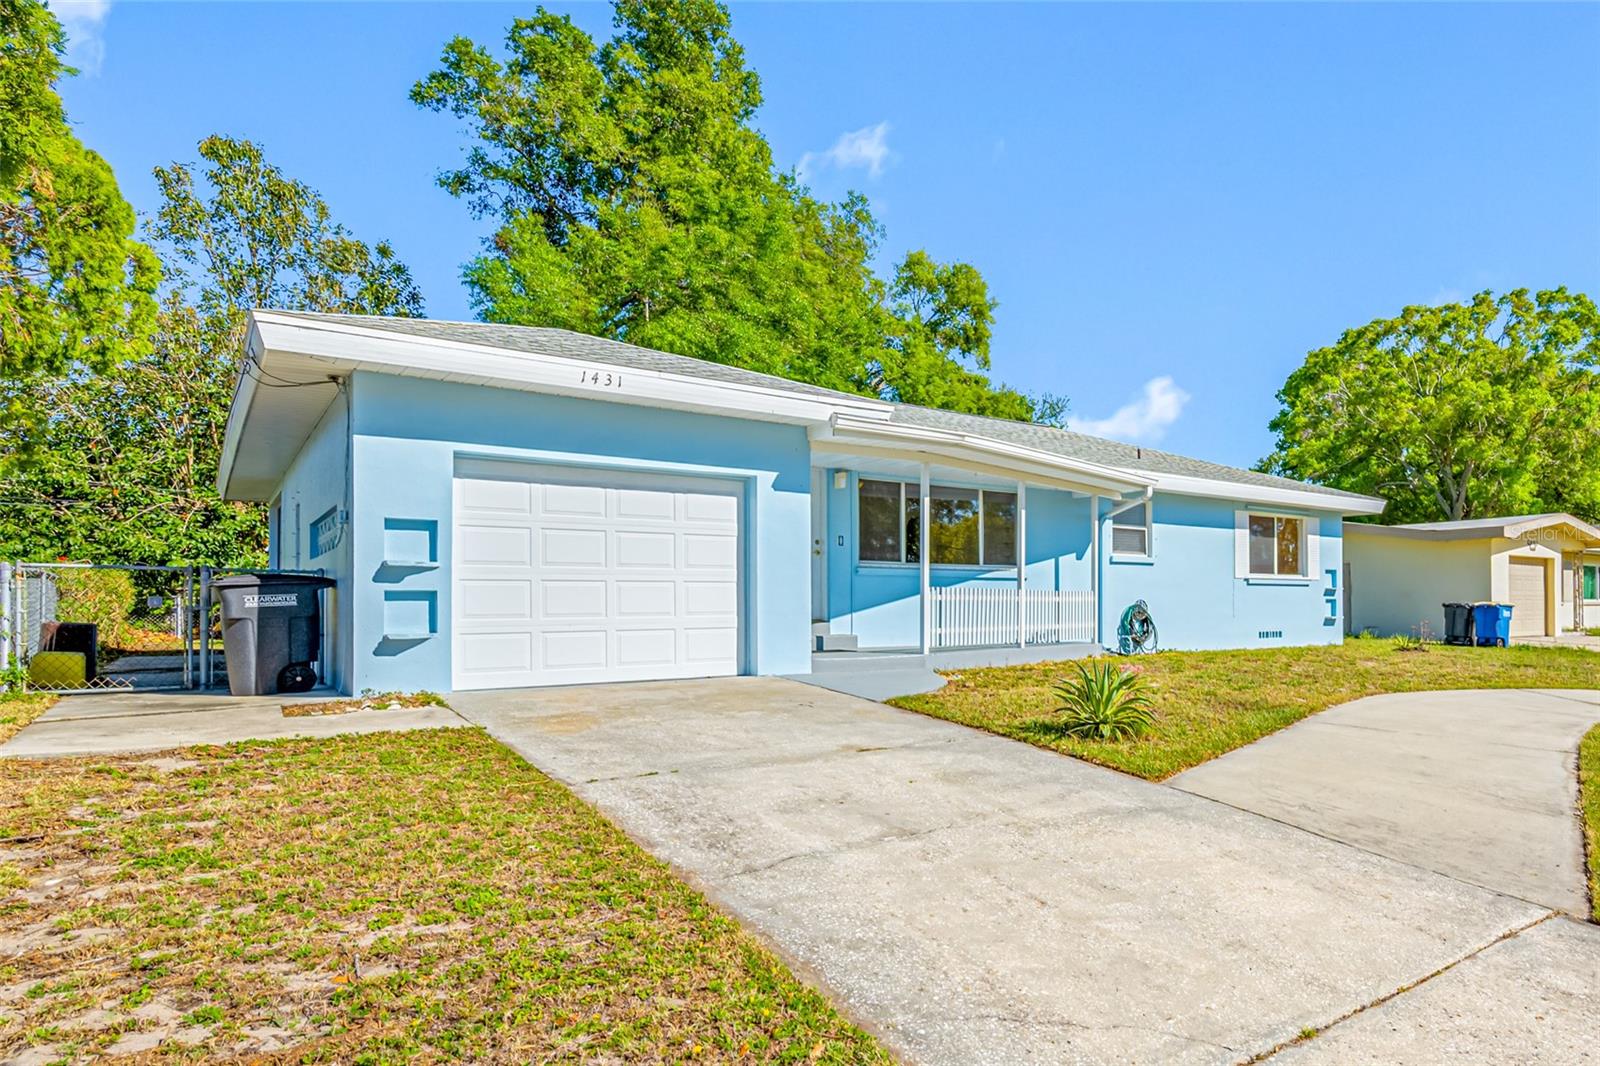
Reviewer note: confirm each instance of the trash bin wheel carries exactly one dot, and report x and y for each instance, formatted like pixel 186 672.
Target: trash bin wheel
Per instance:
pixel 297 677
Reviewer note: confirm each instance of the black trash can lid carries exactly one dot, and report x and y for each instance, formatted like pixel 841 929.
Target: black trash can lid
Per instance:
pixel 251 581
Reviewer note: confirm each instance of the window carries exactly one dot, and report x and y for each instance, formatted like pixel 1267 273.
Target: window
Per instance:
pixel 971 527
pixel 1277 545
pixel 1130 531
pixel 1591 582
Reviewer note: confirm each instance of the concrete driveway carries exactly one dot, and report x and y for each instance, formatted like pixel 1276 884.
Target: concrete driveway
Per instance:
pixel 973 900
pixel 104 723
pixel 1478 785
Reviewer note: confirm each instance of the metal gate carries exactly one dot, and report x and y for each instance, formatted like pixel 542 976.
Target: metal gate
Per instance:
pixel 76 626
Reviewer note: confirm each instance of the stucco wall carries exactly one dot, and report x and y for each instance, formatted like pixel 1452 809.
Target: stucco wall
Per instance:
pixel 408 433
pixel 1195 598
pixel 880 603
pixel 314 484
pixel 1398 583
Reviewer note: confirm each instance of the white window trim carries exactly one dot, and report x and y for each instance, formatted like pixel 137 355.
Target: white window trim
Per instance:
pixel 979 567
pixel 1310 548
pixel 1149 554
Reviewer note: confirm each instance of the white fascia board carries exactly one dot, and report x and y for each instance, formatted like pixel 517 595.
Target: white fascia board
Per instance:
pixel 846 432
pixel 244 388
pixel 359 348
pixel 1213 488
pixel 1584 530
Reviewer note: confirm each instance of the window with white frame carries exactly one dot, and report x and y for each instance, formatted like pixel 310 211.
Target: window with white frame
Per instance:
pixel 1277 545
pixel 1130 531
pixel 969 527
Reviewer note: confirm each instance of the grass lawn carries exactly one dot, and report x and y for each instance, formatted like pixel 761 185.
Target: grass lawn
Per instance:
pixel 17 709
pixel 1209 703
pixel 1589 803
pixel 383 898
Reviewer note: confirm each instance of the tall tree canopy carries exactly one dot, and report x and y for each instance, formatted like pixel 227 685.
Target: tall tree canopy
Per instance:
pixel 130 454
pixel 75 289
pixel 1467 410
pixel 636 200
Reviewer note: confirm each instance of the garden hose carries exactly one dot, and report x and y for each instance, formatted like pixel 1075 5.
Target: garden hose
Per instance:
pixel 1137 631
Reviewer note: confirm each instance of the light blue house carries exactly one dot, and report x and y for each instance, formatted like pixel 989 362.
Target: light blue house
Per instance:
pixel 508 506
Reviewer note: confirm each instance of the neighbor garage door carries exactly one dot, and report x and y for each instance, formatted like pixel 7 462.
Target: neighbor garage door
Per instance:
pixel 568 577
pixel 1528 597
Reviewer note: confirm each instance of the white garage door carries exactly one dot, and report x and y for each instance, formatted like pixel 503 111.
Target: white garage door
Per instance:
pixel 569 577
pixel 1528 598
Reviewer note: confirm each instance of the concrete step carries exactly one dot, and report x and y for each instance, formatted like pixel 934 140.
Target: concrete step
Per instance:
pixel 829 661
pixel 826 642
pixel 821 629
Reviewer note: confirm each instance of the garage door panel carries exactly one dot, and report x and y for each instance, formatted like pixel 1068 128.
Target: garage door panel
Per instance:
pixel 655 551
pixel 640 503
pixel 571 650
pixel 705 507
pixel 646 647
pixel 497 497
pixel 570 581
pixel 644 599
pixel 566 600
pixel 496 653
pixel 711 645
pixel 494 545
pixel 572 547
pixel 703 551
pixel 714 598
pixel 494 599
pixel 588 501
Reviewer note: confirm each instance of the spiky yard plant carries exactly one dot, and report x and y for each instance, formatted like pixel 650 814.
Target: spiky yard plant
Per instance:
pixel 1105 702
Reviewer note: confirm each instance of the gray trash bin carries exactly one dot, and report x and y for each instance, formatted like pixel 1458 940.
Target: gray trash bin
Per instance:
pixel 271 631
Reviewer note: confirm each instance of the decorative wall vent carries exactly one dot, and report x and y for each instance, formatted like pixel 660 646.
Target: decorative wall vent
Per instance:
pixel 1270 634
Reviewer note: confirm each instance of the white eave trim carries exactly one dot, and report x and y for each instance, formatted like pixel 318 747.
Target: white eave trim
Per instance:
pixel 845 433
pixel 1242 492
pixel 383 351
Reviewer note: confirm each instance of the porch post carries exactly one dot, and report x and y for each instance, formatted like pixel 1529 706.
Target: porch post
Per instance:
pixel 924 519
pixel 1094 569
pixel 1022 564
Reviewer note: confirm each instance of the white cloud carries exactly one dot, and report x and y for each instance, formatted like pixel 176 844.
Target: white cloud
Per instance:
pixel 1145 420
pixel 83 21
pixel 866 148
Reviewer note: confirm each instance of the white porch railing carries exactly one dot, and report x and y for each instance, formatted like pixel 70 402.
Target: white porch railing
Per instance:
pixel 976 616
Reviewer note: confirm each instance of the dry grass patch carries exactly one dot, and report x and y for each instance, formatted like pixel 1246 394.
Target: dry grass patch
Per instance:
pixel 382 701
pixel 18 709
pixel 1589 805
pixel 383 898
pixel 1209 703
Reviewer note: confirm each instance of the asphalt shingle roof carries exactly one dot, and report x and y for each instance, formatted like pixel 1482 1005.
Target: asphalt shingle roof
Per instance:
pixel 571 345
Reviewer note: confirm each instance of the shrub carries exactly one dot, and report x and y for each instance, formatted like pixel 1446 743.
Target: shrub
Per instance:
pixel 1105 702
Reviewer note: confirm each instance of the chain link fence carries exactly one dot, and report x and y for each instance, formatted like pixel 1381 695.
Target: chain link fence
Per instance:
pixel 71 627
pixel 77 626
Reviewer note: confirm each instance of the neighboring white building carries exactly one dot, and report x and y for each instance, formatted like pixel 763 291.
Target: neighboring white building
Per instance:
pixel 1546 566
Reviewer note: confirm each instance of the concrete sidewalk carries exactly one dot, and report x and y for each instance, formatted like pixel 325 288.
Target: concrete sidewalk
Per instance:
pixel 105 723
pixel 975 900
pixel 1480 785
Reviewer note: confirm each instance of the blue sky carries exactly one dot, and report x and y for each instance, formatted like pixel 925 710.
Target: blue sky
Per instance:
pixel 1171 203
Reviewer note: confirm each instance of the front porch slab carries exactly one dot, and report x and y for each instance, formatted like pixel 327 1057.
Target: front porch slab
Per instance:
pixel 882 673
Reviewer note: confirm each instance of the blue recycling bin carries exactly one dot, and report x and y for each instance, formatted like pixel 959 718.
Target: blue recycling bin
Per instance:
pixel 1492 623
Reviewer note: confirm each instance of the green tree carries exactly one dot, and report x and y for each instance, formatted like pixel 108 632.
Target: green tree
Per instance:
pixel 636 200
pixel 129 467
pixel 76 291
pixel 1471 409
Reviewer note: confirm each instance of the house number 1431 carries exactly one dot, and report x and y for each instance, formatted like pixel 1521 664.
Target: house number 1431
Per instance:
pixel 603 378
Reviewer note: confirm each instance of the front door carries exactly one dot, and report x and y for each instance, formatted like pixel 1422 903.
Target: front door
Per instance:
pixel 819 545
